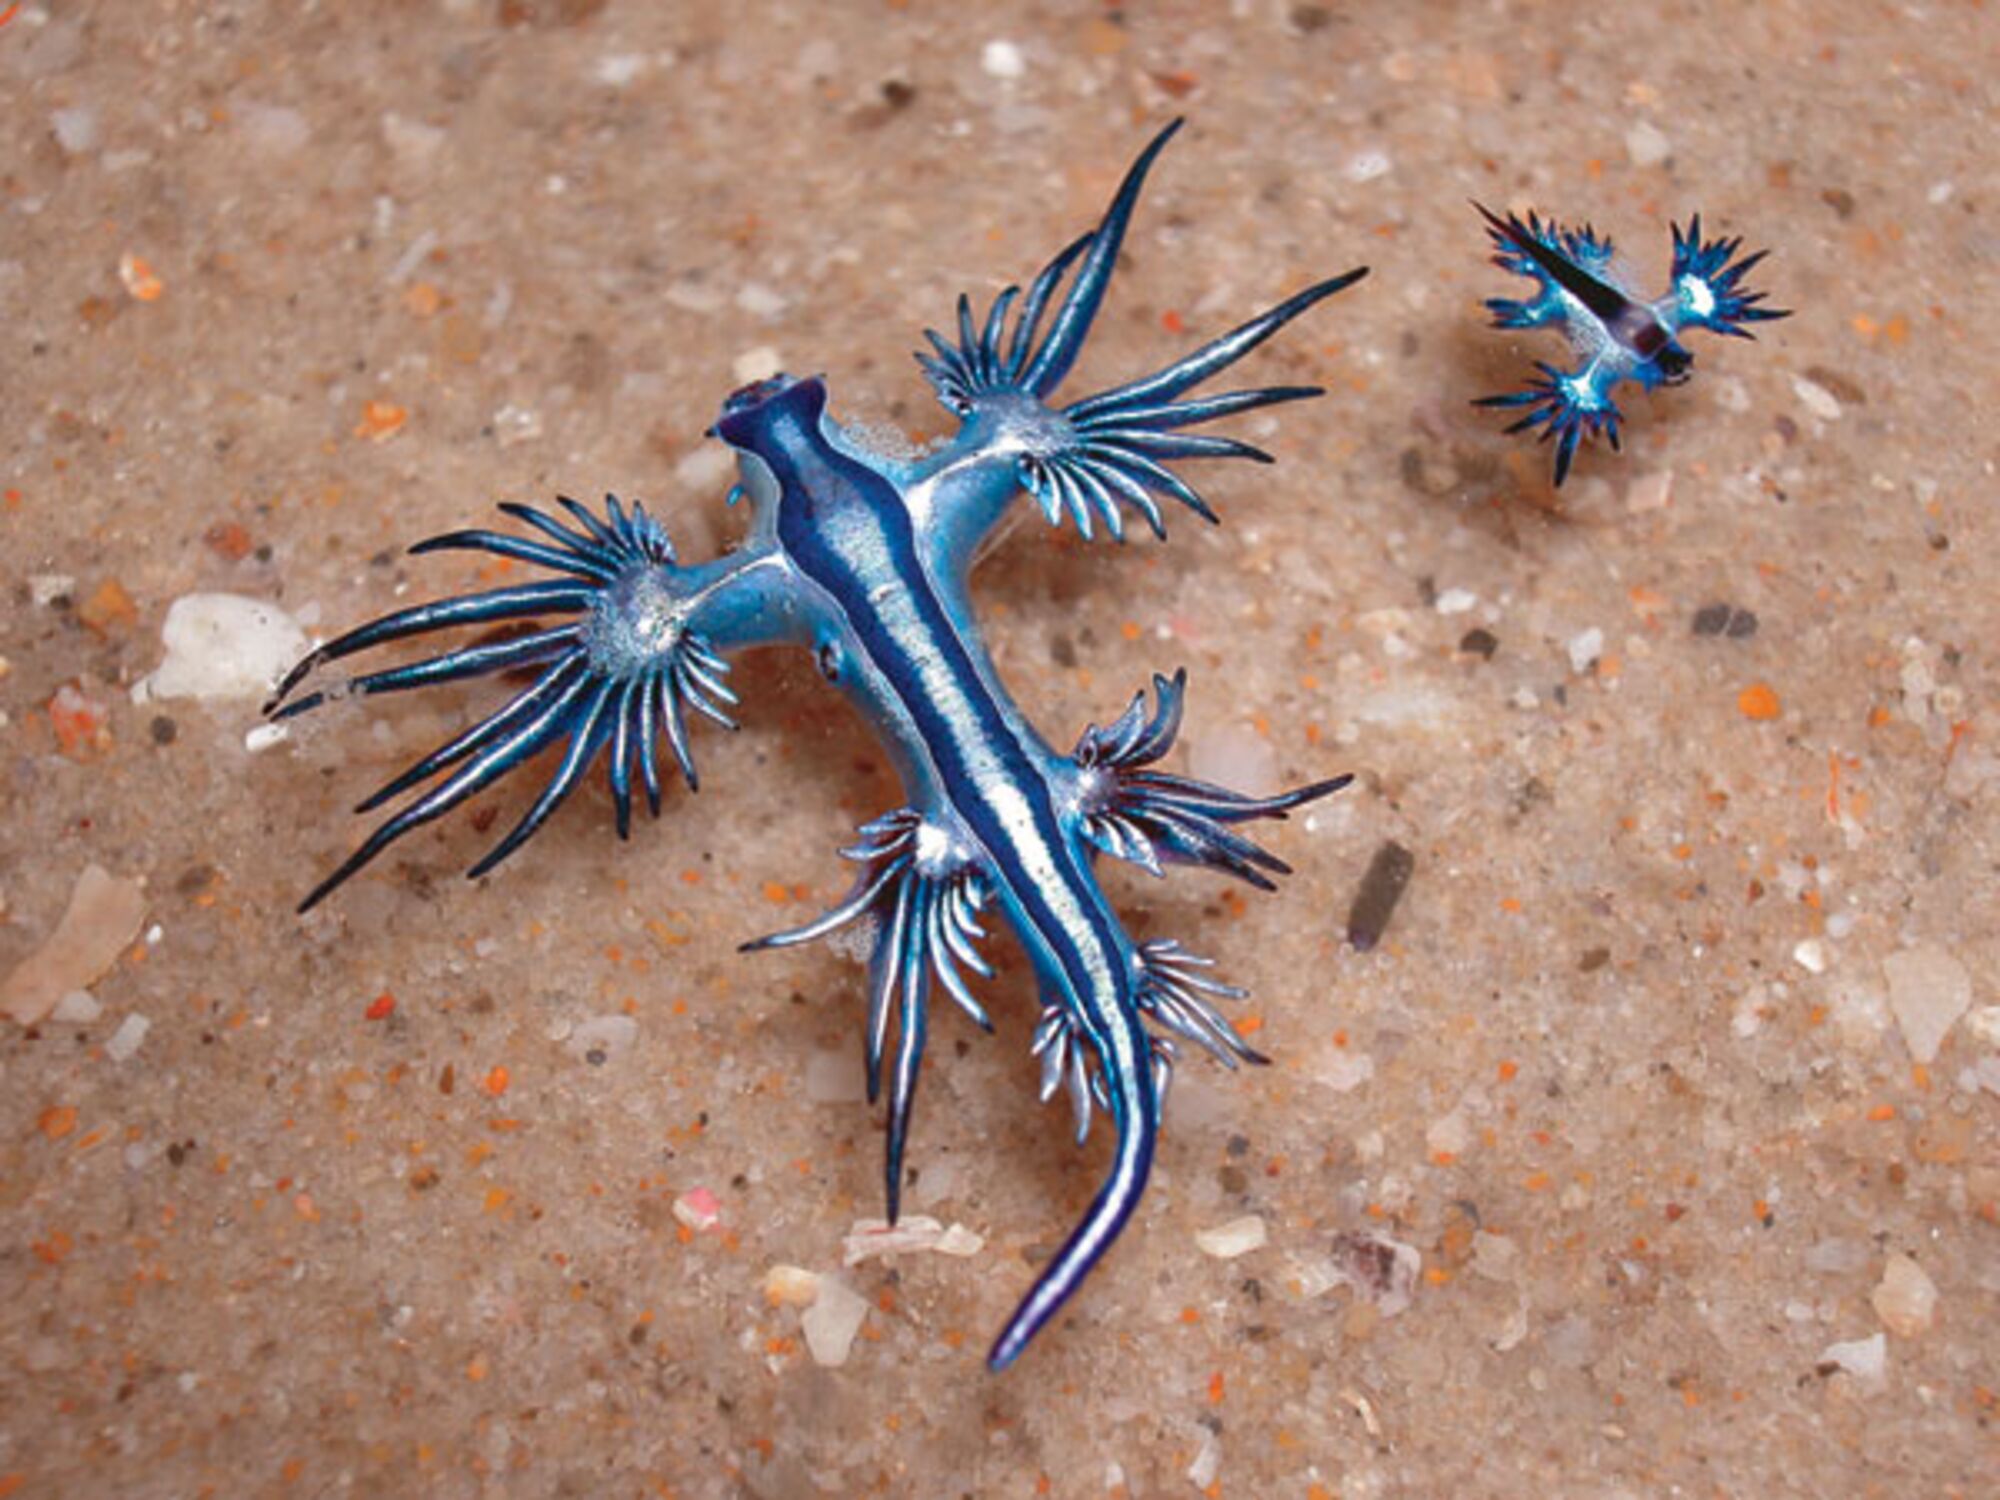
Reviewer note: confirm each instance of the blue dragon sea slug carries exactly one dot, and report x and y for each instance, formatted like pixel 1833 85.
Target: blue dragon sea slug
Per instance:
pixel 1584 292
pixel 862 559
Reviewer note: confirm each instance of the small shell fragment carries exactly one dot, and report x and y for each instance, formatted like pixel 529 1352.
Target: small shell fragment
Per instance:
pixel 699 1209
pixel 791 1286
pixel 103 916
pixel 833 1320
pixel 912 1232
pixel 1237 1237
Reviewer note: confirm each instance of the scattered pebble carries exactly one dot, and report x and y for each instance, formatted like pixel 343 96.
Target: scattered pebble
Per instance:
pixel 514 425
pixel 75 128
pixel 126 1040
pixel 45 588
pixel 259 737
pixel 832 1321
pixel 79 720
pixel 1450 1135
pixel 791 1286
pixel 1867 1360
pixel 1366 166
pixel 1810 955
pixel 77 1008
pixel 1207 1461
pixel 1345 1071
pixel 1585 647
pixel 413 142
pixel 760 363
pixel 694 294
pixel 1382 1270
pixel 1649 492
pixel 912 1232
pixel 1928 991
pixel 1237 1237
pixel 1495 1256
pixel 1984 1074
pixel 1983 1025
pixel 1572 1343
pixel 222 646
pixel 1381 889
pixel 381 420
pixel 1835 1256
pixel 618 69
pixel 1647 145
pixel 600 1039
pixel 1724 620
pixel 1455 602
pixel 1002 59
pixel 103 917
pixel 1906 1299
pixel 1816 399
pixel 1759 702
pixel 760 301
pixel 414 254
pixel 699 1209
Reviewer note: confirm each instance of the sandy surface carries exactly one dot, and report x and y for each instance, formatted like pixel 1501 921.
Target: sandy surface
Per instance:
pixel 1675 1071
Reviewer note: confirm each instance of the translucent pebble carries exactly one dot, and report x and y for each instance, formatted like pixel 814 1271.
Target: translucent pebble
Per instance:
pixel 1906 1299
pixel 1928 991
pixel 833 1320
pixel 791 1286
pixel 104 914
pixel 602 1038
pixel 1002 59
pixel 126 1040
pixel 1867 1360
pixel 77 1008
pixel 1647 145
pixel 75 128
pixel 1237 1237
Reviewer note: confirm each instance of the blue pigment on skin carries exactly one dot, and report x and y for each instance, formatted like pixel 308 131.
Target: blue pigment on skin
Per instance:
pixel 1583 292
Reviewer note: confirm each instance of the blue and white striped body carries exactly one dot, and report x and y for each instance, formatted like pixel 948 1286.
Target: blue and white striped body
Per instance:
pixel 864 560
pixel 891 629
pixel 1615 335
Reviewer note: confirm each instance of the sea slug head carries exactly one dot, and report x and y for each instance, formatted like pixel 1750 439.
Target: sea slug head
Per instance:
pixel 751 413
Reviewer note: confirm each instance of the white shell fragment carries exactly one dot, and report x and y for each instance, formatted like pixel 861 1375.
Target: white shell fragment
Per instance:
pixel 912 1232
pixel 222 646
pixel 791 1286
pixel 833 1320
pixel 1237 1237
pixel 128 1038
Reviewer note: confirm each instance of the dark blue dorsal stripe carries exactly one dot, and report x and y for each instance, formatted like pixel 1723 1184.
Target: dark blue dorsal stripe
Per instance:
pixel 875 543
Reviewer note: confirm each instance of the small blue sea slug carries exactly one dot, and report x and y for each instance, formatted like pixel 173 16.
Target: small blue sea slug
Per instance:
pixel 1586 294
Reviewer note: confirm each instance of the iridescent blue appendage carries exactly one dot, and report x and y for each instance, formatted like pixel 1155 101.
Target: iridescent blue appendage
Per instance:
pixel 621 675
pixel 1090 459
pixel 920 891
pixel 1583 291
